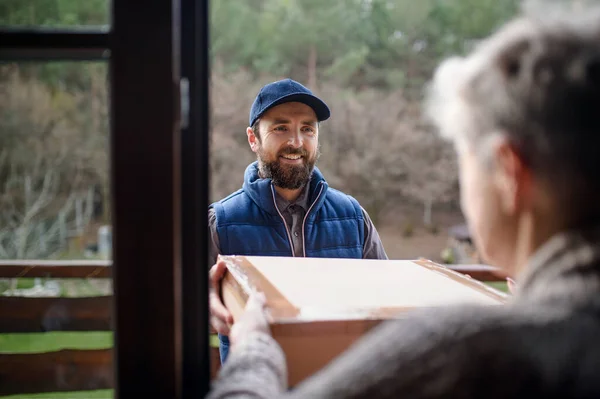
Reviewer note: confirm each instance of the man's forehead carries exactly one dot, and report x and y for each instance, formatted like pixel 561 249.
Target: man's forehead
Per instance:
pixel 291 110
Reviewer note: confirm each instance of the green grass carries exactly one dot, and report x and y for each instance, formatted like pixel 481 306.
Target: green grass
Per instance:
pixel 214 341
pixel 99 394
pixel 22 283
pixel 53 341
pixel 499 285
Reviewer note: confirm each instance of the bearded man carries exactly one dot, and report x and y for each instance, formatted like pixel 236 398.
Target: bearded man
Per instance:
pixel 285 207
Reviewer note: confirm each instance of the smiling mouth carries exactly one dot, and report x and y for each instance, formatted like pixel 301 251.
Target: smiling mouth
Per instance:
pixel 291 157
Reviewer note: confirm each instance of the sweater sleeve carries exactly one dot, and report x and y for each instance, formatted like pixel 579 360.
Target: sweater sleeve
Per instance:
pixel 256 368
pixel 432 354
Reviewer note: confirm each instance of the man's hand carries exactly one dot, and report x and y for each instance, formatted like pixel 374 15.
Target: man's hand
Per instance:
pixel 254 319
pixel 220 317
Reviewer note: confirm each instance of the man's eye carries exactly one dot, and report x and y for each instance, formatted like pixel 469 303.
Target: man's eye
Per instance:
pixel 281 128
pixel 309 130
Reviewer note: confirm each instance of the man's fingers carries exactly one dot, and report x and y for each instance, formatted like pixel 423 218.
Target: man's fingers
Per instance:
pixel 216 273
pixel 219 326
pixel 219 310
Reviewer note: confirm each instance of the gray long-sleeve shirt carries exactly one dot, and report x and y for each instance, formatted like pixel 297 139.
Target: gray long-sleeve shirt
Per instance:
pixel 543 344
pixel 293 213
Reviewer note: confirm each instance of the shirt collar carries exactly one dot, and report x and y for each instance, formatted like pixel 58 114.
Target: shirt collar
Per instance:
pixel 301 201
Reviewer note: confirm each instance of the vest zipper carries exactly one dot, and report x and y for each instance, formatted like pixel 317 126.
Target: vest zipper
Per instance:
pixel 287 230
pixel 306 216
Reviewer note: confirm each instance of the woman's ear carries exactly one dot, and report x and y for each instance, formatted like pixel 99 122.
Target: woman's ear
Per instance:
pixel 513 177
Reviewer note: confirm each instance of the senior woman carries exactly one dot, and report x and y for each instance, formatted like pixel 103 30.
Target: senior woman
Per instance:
pixel 523 111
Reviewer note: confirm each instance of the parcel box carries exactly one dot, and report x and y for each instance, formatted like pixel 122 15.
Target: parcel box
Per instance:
pixel 318 307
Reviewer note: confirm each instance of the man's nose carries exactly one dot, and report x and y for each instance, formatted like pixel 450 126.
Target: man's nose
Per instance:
pixel 295 140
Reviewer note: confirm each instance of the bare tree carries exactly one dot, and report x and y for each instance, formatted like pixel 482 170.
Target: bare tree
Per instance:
pixel 28 229
pixel 231 97
pixel 432 171
pixel 49 165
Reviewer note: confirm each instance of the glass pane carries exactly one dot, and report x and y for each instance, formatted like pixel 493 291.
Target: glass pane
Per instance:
pixel 55 13
pixel 55 206
pixel 369 61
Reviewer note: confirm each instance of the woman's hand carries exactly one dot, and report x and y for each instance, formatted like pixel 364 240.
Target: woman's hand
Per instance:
pixel 254 319
pixel 512 285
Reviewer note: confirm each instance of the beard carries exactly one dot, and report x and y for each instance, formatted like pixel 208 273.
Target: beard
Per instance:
pixel 290 177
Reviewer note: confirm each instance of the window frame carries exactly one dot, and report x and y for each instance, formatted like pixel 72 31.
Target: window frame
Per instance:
pixel 52 44
pixel 159 183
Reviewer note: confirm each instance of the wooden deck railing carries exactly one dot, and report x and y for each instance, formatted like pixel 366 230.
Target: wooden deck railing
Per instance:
pixel 79 369
pixel 62 370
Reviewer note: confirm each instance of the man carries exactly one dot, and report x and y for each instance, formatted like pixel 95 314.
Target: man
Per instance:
pixel 285 207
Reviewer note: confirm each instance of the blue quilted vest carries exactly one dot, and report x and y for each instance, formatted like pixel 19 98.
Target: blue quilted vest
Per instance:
pixel 249 223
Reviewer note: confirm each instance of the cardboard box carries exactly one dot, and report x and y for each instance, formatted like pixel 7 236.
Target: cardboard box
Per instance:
pixel 319 307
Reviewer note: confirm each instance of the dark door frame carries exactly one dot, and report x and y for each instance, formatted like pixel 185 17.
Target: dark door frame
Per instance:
pixel 160 185
pixel 195 174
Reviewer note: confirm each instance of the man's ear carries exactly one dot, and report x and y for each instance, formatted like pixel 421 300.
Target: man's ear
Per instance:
pixel 252 139
pixel 513 177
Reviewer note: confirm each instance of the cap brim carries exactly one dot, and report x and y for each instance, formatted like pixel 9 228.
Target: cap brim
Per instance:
pixel 321 109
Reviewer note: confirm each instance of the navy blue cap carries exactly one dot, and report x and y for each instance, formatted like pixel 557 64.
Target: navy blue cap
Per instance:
pixel 285 91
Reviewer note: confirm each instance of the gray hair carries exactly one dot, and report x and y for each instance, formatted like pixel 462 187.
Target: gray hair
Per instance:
pixel 535 82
